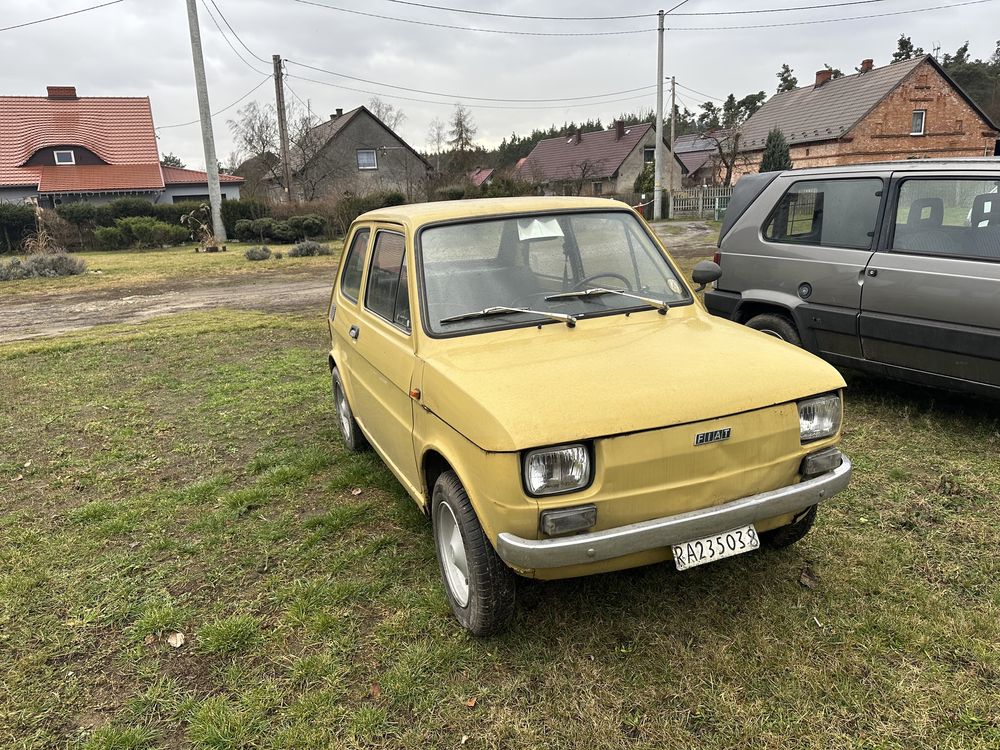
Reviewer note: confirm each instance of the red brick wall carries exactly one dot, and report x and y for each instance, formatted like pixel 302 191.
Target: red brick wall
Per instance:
pixel 952 128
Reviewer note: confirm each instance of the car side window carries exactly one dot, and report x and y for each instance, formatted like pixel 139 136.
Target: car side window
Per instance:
pixel 387 293
pixel 354 264
pixel 954 217
pixel 828 213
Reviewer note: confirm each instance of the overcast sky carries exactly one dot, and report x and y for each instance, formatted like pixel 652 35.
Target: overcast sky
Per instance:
pixel 142 48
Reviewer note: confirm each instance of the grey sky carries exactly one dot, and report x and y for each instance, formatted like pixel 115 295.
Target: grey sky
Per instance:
pixel 141 48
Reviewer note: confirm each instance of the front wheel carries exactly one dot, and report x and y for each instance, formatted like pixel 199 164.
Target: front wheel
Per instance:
pixel 354 439
pixel 786 536
pixel 479 587
pixel 777 325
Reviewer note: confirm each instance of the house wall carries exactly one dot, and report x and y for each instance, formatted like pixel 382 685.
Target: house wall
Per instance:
pixel 632 166
pixel 178 193
pixel 47 156
pixel 334 171
pixel 952 129
pixel 17 194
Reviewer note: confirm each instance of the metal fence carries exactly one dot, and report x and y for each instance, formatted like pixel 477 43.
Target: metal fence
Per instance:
pixel 700 203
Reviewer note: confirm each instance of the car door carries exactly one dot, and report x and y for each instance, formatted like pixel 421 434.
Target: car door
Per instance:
pixel 931 298
pixel 383 354
pixel 345 305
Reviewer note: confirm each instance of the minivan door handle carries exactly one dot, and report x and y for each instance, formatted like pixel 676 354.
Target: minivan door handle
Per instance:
pixel 354 332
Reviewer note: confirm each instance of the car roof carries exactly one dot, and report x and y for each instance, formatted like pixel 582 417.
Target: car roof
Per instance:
pixel 415 214
pixel 910 165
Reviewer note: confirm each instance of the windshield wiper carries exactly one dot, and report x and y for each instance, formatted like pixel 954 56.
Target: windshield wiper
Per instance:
pixel 569 320
pixel 661 306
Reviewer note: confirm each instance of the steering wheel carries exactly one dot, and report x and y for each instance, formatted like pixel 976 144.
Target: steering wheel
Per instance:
pixel 609 275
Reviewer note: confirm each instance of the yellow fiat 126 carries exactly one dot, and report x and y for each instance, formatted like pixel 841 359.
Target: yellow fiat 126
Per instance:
pixel 547 387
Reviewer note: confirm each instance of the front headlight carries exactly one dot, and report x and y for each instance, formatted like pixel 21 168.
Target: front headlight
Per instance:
pixel 550 471
pixel 819 417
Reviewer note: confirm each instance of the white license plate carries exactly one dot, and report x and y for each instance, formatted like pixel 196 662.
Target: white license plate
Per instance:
pixel 715 547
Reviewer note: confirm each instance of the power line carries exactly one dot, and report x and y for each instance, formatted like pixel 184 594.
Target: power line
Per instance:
pixel 226 38
pixel 825 6
pixel 699 93
pixel 454 97
pixel 238 39
pixel 827 20
pixel 61 15
pixel 517 15
pixel 266 78
pixel 471 28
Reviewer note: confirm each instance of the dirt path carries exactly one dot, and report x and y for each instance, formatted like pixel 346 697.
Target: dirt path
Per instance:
pixel 688 239
pixel 54 314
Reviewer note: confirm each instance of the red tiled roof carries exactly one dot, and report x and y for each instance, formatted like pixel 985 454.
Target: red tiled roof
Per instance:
pixel 94 178
pixel 694 160
pixel 561 158
pixel 480 175
pixel 118 129
pixel 178 176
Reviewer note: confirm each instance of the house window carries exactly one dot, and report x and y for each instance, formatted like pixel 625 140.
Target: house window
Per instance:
pixel 367 158
pixel 598 188
pixel 65 157
pixel 648 154
pixel 917 123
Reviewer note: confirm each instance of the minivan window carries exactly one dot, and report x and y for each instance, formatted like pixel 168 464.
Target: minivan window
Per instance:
pixel 386 293
pixel 828 213
pixel 957 217
pixel 354 263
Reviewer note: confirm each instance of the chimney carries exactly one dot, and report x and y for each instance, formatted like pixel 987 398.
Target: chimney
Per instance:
pixel 822 76
pixel 866 66
pixel 619 130
pixel 338 113
pixel 61 92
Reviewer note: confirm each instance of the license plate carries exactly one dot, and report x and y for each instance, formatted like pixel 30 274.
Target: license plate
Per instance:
pixel 715 547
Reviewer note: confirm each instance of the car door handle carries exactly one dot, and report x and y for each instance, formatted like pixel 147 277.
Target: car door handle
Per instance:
pixel 354 332
pixel 873 272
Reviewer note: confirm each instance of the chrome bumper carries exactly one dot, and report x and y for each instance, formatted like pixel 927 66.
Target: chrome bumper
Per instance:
pixel 669 530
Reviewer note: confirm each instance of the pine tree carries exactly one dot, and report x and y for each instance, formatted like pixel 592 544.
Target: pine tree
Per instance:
pixel 786 79
pixel 905 49
pixel 776 156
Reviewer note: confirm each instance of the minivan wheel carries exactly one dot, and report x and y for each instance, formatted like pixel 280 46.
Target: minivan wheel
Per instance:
pixel 777 325
pixel 354 439
pixel 786 536
pixel 479 587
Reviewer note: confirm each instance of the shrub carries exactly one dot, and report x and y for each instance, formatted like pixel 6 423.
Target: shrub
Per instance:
pixel 176 234
pixel 110 238
pixel 282 232
pixel 351 207
pixel 262 228
pixel 309 248
pixel 17 221
pixel 306 226
pixel 122 207
pixel 142 231
pixel 245 208
pixel 257 253
pixel 450 193
pixel 244 230
pixel 49 265
pixel 171 213
pixel 41 243
pixel 279 255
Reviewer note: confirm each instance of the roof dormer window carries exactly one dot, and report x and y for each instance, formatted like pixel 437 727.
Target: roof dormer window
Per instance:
pixel 65 157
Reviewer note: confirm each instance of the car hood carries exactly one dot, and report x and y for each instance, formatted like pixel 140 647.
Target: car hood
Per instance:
pixel 527 387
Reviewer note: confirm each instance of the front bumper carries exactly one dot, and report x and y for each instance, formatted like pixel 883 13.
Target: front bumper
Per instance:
pixel 669 530
pixel 722 304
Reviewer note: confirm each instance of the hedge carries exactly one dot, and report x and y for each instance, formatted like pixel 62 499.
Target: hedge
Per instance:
pixel 17 221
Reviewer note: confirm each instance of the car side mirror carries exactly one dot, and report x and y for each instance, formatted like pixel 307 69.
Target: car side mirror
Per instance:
pixel 705 273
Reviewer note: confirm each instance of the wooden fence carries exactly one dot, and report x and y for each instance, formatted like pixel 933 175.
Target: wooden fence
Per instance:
pixel 700 202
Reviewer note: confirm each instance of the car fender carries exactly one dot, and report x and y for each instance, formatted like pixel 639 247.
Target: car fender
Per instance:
pixel 753 301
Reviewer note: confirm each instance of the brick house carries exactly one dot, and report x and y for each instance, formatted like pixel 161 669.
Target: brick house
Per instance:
pixel 602 163
pixel 63 148
pixel 352 152
pixel 906 110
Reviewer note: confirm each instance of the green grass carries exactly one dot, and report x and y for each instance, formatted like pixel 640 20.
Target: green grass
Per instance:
pixel 127 268
pixel 186 476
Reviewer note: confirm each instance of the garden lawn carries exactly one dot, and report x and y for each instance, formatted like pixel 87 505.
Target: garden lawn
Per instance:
pixel 126 269
pixel 186 477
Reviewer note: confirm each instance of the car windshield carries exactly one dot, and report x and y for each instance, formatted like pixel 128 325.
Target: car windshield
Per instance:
pixel 519 270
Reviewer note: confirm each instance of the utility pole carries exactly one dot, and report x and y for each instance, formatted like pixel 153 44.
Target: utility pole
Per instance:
pixel 279 97
pixel 658 148
pixel 205 114
pixel 673 137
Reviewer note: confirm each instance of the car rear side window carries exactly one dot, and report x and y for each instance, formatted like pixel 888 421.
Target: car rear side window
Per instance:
pixel 828 213
pixel 387 293
pixel 955 217
pixel 354 264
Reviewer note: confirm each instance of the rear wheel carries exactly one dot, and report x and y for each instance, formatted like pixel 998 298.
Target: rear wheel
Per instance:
pixel 786 536
pixel 777 325
pixel 354 439
pixel 479 587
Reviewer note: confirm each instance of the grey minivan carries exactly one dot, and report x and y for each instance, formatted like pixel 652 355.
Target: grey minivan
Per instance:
pixel 892 268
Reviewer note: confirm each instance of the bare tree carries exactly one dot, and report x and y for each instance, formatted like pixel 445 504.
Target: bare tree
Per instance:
pixel 391 116
pixel 436 139
pixel 584 171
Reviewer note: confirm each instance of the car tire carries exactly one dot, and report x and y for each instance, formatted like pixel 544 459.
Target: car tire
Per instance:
pixel 786 536
pixel 479 587
pixel 777 325
pixel 354 439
